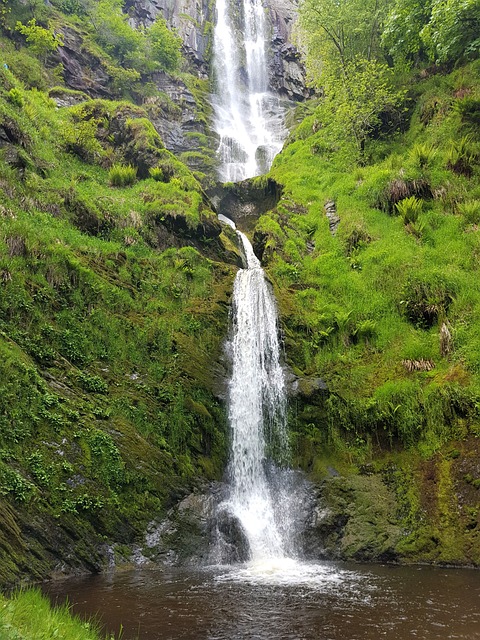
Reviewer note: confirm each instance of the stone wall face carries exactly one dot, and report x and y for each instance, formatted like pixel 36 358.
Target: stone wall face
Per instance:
pixel 192 20
pixel 287 73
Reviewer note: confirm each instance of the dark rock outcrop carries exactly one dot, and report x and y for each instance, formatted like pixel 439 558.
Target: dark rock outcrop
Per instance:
pixel 287 72
pixel 82 70
pixel 333 218
pixel 353 518
pixel 181 123
pixel 244 202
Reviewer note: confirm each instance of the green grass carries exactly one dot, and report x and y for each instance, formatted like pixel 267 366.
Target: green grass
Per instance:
pixel 28 615
pixel 122 175
pixel 357 306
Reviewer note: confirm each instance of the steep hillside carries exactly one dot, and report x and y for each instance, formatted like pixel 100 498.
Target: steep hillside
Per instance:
pixel 115 283
pixel 375 265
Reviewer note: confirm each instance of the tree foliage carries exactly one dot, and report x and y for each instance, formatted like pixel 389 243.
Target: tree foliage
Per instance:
pixel 40 40
pixel 355 101
pixel 336 32
pixel 163 45
pixel 148 49
pixel 401 34
pixel 443 31
pixel 343 43
pixel 453 32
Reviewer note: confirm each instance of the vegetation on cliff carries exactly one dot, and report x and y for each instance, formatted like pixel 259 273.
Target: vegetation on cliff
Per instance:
pixel 115 278
pixel 373 251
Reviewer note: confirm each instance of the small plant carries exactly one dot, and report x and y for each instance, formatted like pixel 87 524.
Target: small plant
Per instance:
pixel 366 329
pixel 462 156
pixel 157 174
pixel 92 383
pixel 423 154
pixel 470 210
pixel 409 209
pixel 15 97
pixel 122 175
pixel 41 41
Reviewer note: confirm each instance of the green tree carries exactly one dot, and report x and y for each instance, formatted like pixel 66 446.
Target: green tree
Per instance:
pixel 41 41
pixel 453 32
pixel 113 31
pixel 356 100
pixel 344 58
pixel 144 49
pixel 335 32
pixel 164 45
pixel 401 35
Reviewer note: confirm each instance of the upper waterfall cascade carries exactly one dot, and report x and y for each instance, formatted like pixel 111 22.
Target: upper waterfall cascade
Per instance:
pixel 248 117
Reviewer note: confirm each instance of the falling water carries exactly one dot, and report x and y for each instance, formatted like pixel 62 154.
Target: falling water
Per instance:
pixel 248 117
pixel 257 409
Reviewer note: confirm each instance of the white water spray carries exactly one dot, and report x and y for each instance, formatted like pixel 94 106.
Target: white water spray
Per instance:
pixel 248 117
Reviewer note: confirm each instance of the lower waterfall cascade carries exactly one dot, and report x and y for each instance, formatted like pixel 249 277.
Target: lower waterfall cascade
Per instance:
pixel 260 496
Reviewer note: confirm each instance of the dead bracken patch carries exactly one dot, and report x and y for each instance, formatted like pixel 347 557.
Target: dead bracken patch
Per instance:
pixel 418 365
pixel 400 189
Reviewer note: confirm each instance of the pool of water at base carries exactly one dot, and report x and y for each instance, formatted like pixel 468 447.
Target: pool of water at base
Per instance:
pixel 286 600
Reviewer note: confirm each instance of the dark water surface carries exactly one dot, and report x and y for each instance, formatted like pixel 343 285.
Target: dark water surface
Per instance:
pixel 301 602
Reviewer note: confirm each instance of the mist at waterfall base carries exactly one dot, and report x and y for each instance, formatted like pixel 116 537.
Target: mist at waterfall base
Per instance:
pixel 249 118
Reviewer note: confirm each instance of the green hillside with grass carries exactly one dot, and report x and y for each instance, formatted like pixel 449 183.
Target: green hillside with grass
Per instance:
pixel 115 284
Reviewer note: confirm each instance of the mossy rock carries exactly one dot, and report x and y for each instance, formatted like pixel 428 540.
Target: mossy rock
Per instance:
pixel 356 519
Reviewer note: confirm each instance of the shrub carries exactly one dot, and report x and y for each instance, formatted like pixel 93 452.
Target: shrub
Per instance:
pixel 422 154
pixel 426 298
pixel 400 189
pixel 92 383
pixel 409 209
pixel 157 174
pixel 41 41
pixel 15 97
pixel 462 156
pixel 165 46
pixel 122 175
pixel 470 210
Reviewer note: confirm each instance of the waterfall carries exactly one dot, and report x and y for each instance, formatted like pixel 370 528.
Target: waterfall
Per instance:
pixel 249 122
pixel 248 117
pixel 257 415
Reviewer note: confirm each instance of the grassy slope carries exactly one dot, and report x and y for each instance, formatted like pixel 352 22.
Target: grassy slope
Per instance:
pixel 108 337
pixel 361 308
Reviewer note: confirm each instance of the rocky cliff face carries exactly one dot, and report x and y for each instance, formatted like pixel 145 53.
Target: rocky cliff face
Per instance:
pixel 286 69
